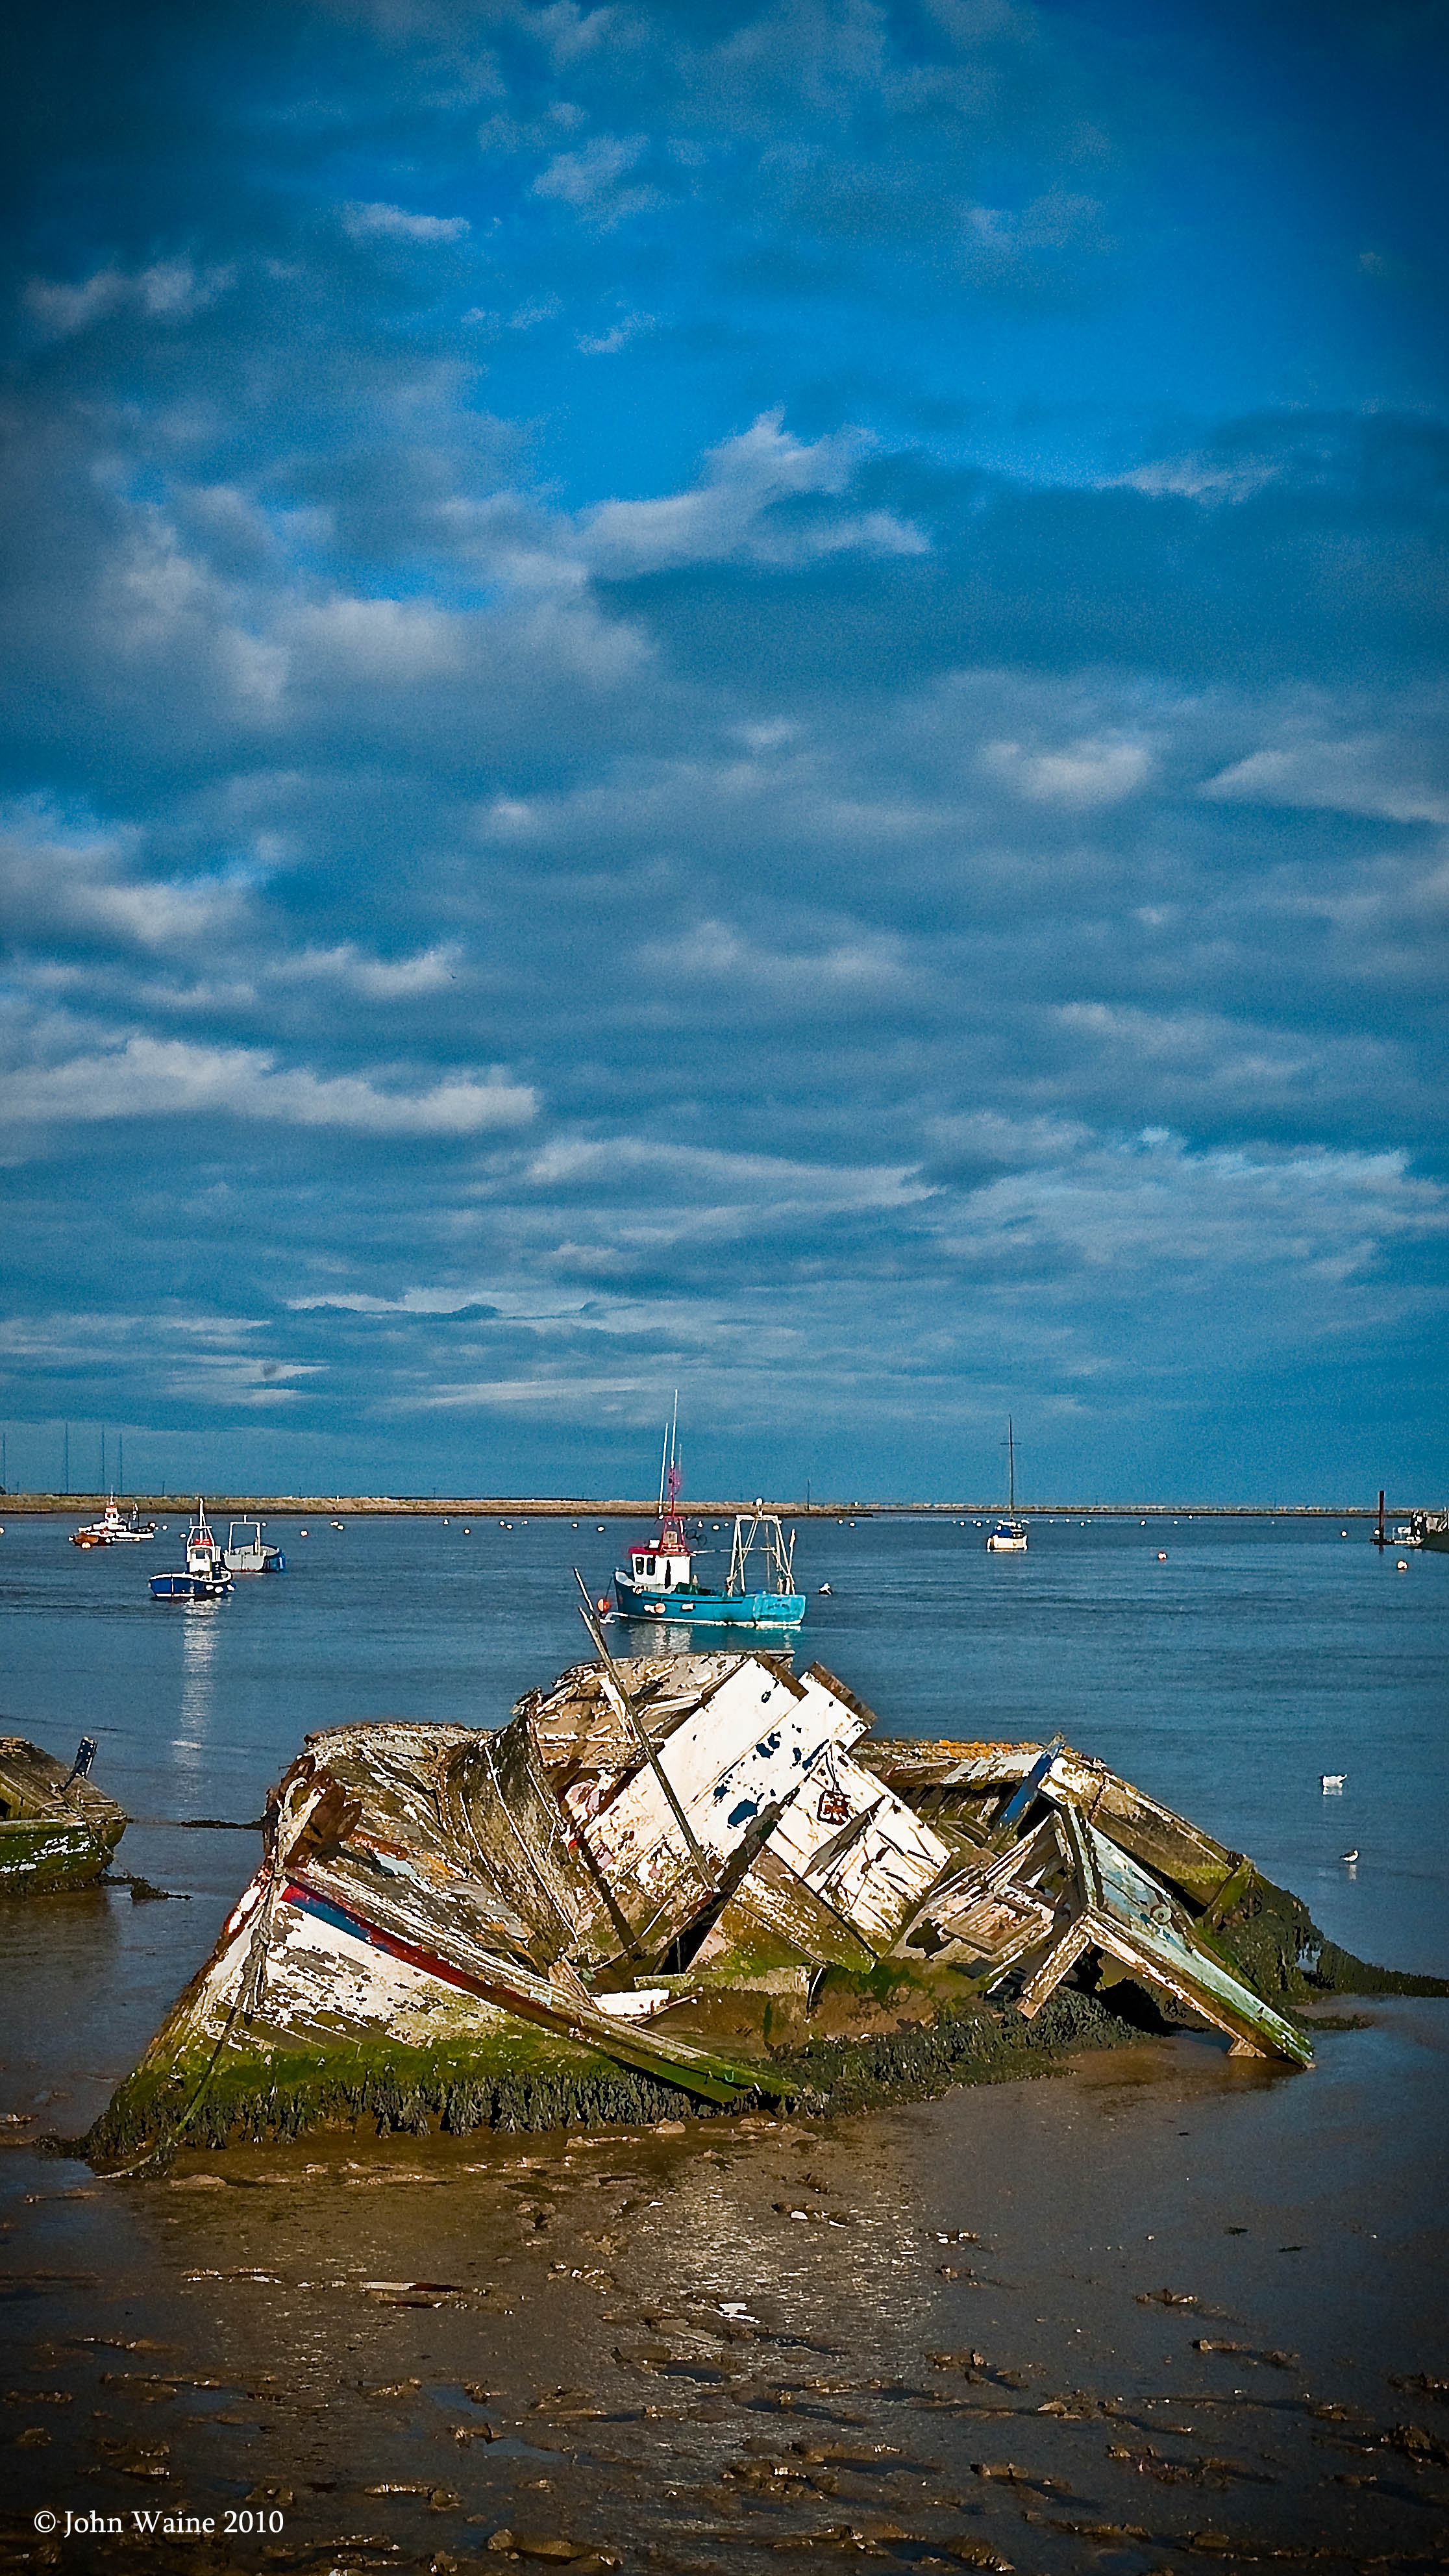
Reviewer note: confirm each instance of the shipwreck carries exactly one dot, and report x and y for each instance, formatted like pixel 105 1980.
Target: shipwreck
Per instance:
pixel 57 1829
pixel 688 1883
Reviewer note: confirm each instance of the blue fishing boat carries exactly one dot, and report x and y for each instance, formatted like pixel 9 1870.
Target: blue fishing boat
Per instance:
pixel 661 1583
pixel 205 1577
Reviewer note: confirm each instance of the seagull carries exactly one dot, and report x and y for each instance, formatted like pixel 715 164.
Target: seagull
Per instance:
pixel 825 1587
pixel 1331 1780
pixel 1349 1855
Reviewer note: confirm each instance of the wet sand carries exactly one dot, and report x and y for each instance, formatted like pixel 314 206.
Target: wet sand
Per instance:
pixel 1164 2307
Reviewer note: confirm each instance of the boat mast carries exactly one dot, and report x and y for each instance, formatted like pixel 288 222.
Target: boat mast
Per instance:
pixel 1010 1470
pixel 669 1470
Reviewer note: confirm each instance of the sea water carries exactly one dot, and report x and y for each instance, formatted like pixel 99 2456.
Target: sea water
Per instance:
pixel 1222 1665
pixel 1225 1681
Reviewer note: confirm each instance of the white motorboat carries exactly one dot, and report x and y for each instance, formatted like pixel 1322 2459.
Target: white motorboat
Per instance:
pixel 246 1551
pixel 113 1529
pixel 205 1577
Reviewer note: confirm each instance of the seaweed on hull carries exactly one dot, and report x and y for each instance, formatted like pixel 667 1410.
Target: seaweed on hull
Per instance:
pixel 688 1883
pixel 57 1829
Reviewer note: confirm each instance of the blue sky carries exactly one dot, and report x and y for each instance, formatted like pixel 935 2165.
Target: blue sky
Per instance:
pixel 735 696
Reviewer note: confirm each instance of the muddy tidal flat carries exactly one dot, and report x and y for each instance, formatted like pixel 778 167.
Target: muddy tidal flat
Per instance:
pixel 1155 2308
pixel 1158 2307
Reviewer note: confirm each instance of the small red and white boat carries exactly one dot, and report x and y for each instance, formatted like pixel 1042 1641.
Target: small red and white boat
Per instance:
pixel 113 1529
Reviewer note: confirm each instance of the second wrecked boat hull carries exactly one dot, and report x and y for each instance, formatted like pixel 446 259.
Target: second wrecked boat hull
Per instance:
pixel 57 1830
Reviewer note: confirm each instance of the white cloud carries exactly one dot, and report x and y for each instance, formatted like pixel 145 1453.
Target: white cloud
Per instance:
pixel 727 514
pixel 377 639
pixel 608 343
pixel 487 1395
pixel 705 1182
pixel 1227 478
pixel 835 975
pixel 1059 220
pixel 1364 774
pixel 394 223
pixel 379 979
pixel 236 1377
pixel 570 32
pixel 527 317
pixel 1154 1214
pixel 588 179
pixel 163 1350
pixel 1194 1059
pixel 168 1078
pixel 55 884
pixel 989 1136
pixel 171 290
pixel 1087 773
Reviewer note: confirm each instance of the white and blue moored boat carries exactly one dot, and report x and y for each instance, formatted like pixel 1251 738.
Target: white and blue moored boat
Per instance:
pixel 660 1582
pixel 247 1552
pixel 1008 1537
pixel 206 1577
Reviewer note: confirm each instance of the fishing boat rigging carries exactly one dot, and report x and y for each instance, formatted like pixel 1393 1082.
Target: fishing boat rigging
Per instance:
pixel 660 1581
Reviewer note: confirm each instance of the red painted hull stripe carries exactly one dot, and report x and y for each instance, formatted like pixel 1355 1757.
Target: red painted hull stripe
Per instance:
pixel 327 1910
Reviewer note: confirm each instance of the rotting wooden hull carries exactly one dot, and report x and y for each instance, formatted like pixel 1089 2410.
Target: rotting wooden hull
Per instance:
pixel 52 1836
pixel 658 1887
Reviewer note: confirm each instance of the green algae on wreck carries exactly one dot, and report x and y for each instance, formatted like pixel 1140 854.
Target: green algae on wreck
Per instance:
pixel 57 1830
pixel 422 2093
pixel 1272 1939
pixel 684 1890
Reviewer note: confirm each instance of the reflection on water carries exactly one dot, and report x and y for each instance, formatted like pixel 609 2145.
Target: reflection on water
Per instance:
pixel 936 2336
pixel 199 1637
pixel 628 1638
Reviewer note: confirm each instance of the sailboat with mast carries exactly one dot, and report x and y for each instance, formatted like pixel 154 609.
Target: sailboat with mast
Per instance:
pixel 1008 1537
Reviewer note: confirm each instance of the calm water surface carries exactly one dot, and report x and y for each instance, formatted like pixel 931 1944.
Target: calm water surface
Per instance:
pixel 1225 1681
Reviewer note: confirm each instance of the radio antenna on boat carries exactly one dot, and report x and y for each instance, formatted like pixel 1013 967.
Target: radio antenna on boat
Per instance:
pixel 668 1462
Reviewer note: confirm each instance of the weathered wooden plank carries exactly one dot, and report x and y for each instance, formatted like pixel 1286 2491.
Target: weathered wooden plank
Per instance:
pixel 1018 1806
pixel 1000 1908
pixel 499 1798
pixel 1129 1915
pixel 773 1905
pixel 858 1846
pixel 1167 1843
